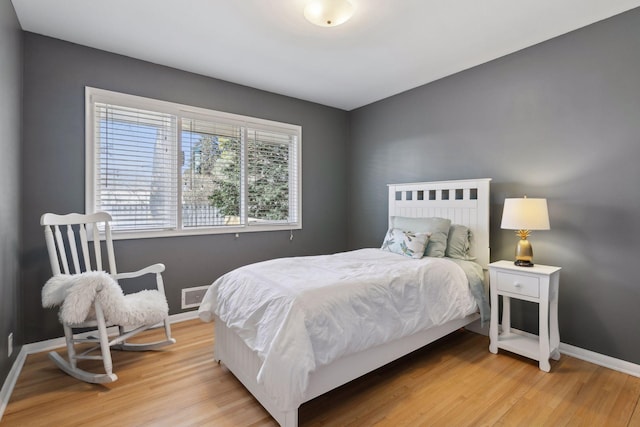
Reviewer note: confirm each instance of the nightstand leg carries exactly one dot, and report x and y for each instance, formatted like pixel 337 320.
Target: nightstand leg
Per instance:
pixel 506 314
pixel 544 332
pixel 493 325
pixel 553 320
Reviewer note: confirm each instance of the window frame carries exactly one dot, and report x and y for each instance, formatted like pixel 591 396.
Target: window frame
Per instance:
pixel 95 95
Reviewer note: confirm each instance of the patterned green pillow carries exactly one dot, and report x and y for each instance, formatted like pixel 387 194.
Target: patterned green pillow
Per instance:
pixel 405 243
pixel 437 228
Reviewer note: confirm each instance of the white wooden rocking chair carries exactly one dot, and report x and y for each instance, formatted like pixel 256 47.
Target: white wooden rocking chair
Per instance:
pixel 85 282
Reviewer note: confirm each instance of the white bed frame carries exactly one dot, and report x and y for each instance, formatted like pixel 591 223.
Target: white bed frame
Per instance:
pixel 465 202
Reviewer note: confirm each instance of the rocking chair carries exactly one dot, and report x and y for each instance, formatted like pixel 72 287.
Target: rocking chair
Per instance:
pixel 92 298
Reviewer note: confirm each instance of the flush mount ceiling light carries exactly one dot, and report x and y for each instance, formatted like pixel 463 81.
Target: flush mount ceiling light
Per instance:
pixel 328 13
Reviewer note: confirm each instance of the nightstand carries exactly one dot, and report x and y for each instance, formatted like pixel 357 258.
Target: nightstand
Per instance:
pixel 537 284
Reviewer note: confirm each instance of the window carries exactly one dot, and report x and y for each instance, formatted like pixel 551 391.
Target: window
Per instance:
pixel 161 168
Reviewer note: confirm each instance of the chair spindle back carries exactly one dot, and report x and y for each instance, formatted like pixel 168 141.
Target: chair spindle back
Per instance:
pixel 65 231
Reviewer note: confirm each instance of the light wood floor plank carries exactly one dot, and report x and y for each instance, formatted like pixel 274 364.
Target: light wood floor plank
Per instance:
pixel 453 382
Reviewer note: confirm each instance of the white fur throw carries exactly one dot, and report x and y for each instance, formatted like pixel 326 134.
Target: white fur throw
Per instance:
pixel 77 292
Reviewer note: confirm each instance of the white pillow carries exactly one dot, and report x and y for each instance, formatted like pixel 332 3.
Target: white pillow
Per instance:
pixel 405 243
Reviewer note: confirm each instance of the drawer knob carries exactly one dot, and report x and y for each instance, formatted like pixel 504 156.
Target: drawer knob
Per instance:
pixel 518 285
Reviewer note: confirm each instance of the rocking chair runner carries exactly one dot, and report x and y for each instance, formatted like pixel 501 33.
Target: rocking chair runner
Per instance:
pixel 92 298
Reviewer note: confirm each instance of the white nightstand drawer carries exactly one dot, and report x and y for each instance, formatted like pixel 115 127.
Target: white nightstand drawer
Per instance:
pixel 518 284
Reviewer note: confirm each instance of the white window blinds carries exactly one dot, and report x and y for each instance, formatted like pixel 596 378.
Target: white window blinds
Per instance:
pixel 271 177
pixel 135 167
pixel 161 168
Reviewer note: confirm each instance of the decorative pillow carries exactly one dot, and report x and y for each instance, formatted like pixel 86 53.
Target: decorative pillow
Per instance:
pixel 437 228
pixel 405 243
pixel 459 243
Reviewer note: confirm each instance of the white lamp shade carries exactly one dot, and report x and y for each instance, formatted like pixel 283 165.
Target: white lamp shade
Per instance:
pixel 328 13
pixel 525 214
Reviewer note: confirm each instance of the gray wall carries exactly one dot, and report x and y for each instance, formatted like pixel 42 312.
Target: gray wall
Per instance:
pixel 559 120
pixel 55 74
pixel 10 127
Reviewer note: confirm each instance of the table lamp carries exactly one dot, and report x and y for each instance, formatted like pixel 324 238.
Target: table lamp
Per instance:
pixel 525 215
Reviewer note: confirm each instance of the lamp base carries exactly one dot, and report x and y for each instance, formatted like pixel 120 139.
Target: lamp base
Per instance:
pixel 524 251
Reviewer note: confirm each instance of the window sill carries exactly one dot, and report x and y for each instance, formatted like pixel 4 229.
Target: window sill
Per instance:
pixel 128 235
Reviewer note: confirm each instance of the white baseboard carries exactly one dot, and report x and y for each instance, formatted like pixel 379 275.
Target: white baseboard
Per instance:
pixel 184 316
pixel 478 327
pixel 593 357
pixel 12 378
pixel 37 347
pixel 601 360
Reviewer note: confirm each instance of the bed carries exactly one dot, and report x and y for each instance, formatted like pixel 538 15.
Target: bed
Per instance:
pixel 278 367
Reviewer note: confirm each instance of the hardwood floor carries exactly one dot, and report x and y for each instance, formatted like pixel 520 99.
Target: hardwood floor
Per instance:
pixel 453 382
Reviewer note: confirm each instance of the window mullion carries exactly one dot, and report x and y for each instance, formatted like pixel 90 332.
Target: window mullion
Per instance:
pixel 244 177
pixel 178 168
pixel 293 179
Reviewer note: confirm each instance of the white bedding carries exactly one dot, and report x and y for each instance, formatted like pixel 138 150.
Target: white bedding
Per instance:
pixel 301 313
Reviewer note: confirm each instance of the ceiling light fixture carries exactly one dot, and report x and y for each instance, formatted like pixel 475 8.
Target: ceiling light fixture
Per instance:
pixel 328 13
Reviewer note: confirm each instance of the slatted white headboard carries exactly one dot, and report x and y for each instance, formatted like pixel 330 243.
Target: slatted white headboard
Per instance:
pixel 464 202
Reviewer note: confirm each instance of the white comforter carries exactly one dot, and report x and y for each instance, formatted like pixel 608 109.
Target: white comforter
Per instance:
pixel 301 313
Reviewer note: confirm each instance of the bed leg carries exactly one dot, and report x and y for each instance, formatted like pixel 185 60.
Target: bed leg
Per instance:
pixel 291 418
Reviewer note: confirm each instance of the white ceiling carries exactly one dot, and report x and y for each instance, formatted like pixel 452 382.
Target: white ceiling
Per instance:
pixel 386 48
